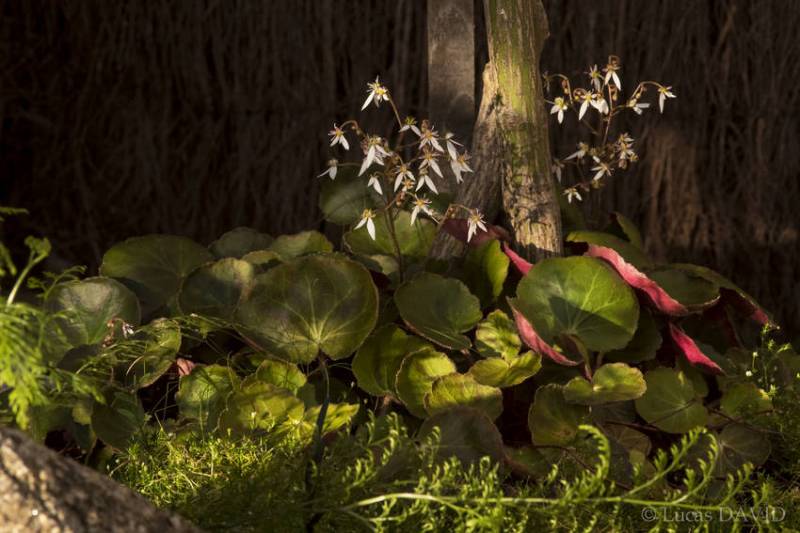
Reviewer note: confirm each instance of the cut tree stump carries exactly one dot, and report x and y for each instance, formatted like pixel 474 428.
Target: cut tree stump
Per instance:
pixel 42 491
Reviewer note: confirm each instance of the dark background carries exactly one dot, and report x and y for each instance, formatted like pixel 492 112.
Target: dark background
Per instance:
pixel 192 117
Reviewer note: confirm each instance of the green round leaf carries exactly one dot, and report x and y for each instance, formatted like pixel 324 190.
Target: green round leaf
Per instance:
pixel 414 241
pixel 553 421
pixel 217 289
pixel 416 375
pixel 462 390
pixel 581 297
pixel 629 230
pixel 629 438
pixel 465 433
pixel 344 199
pixel 497 336
pixel 238 242
pixel 670 403
pixel 338 416
pixel 693 292
pixel 485 270
pixel 159 344
pixel 299 244
pixel 201 395
pixel 744 400
pixel 154 267
pixel 116 421
pixel 740 444
pixel 629 252
pixel 262 260
pixel 377 361
pixel 497 372
pixel 644 345
pixel 440 309
pixel 614 382
pixel 311 304
pixel 281 374
pixel 90 305
pixel 259 405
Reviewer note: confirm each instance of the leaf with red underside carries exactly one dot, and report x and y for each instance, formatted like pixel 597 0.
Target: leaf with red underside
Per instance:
pixel 730 293
pixel 534 341
pixel 521 264
pixel 636 279
pixel 459 227
pixel 690 350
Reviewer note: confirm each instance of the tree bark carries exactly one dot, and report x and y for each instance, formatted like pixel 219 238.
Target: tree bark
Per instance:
pixel 510 142
pixel 42 491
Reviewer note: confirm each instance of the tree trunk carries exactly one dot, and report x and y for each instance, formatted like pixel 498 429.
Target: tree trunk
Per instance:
pixel 510 141
pixel 42 491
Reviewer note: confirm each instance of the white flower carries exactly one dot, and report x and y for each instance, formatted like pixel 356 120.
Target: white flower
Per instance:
pixel 403 173
pixel 425 179
pixel 571 193
pixel 374 154
pixel 638 107
pixel 333 164
pixel 601 169
pixel 377 93
pixel 127 330
pixel 451 146
pixel 558 107
pixel 599 103
pixel 586 99
pixel 595 76
pixel 557 167
pixel 420 204
pixel 430 137
pixel 583 148
pixel 429 161
pixel 375 183
pixel 663 94
pixel 366 218
pixel 337 137
pixel 474 222
pixel 611 74
pixel 411 124
pixel 459 165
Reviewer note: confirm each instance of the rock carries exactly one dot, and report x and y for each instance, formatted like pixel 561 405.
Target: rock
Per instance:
pixel 42 491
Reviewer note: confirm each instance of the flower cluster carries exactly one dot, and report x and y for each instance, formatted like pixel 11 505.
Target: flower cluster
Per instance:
pixel 595 162
pixel 404 172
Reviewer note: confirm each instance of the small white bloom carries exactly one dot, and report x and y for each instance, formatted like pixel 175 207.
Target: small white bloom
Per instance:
pixel 586 99
pixel 571 193
pixel 638 107
pixel 583 149
pixel 425 179
pixel 559 106
pixel 749 374
pixel 420 204
pixel 127 330
pixel 429 161
pixel 601 169
pixel 366 218
pixel 599 103
pixel 403 173
pixel 474 222
pixel 451 146
pixel 663 94
pixel 459 165
pixel 611 75
pixel 411 124
pixel 374 154
pixel 377 93
pixel 596 77
pixel 430 137
pixel 337 137
pixel 557 167
pixel 333 165
pixel 375 183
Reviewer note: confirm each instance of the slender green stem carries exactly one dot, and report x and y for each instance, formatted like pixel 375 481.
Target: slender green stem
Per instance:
pixel 32 262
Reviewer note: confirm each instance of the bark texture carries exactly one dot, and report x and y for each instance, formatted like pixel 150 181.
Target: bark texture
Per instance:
pixel 516 31
pixel 42 491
